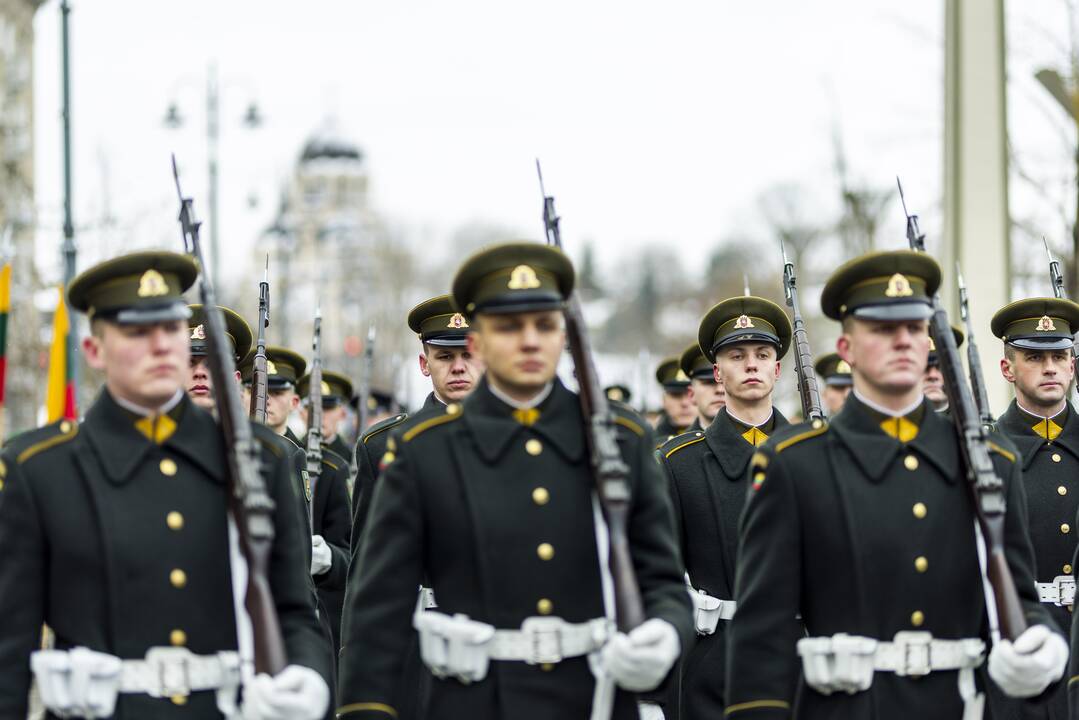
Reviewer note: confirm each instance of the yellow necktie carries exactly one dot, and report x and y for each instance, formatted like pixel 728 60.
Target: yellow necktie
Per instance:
pixel 526 416
pixel 157 429
pixel 1047 429
pixel 754 437
pixel 900 428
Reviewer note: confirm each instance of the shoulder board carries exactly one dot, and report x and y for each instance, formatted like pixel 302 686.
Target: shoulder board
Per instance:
pixel 328 463
pixel 384 425
pixel 270 440
pixel 679 442
pixel 627 423
pixel 48 437
pixel 453 411
pixel 799 437
pixel 1006 454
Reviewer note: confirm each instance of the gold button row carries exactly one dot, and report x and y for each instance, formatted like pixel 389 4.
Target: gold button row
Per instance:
pixel 541 496
pixel 921 564
pixel 910 462
pixel 174 520
pixel 168 467
pixel 919 510
pixel 533 447
pixel 178 578
pixel 1061 490
pixel 1056 457
pixel 545 551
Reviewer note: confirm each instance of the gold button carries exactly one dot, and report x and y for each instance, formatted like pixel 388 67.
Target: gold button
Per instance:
pixel 921 564
pixel 919 510
pixel 1062 490
pixel 453 409
pixel 178 578
pixel 179 699
pixel 65 427
pixel 547 667
pixel 917 618
pixel 174 520
pixel 910 462
pixel 533 447
pixel 816 424
pixel 178 638
pixel 540 496
pixel 168 467
pixel 1067 569
pixel 1065 528
pixel 544 606
pixel 545 551
pixel 1056 457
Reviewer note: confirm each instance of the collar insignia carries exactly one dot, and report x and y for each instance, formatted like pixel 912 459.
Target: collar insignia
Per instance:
pixel 898 286
pixel 743 321
pixel 198 332
pixel 1045 324
pixel 457 321
pixel 152 284
pixel 523 278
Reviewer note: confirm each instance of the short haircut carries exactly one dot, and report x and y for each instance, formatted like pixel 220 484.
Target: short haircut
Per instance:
pixel 1009 352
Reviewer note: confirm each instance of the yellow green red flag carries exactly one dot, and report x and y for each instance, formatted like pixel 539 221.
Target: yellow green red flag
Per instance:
pixel 60 391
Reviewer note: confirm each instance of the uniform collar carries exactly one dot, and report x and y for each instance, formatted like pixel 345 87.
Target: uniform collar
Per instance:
pixel 858 427
pixel 432 400
pixel 1047 427
pixel 1017 424
pixel 725 438
pixel 494 424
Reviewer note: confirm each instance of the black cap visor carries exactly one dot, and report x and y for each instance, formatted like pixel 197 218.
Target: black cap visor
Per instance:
pixel 521 302
pixel 456 339
pixel 839 381
pixel 749 335
pixel 894 311
pixel 1042 343
pixel 146 315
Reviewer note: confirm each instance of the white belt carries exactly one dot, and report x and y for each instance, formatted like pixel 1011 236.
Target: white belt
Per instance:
pixel 708 610
pixel 1059 592
pixel 427 598
pixel 549 640
pixel 169 671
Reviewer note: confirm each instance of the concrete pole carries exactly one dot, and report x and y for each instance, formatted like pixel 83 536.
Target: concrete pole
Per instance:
pixel 976 228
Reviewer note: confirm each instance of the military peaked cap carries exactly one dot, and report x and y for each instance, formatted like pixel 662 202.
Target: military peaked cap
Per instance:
pixel 140 288
pixel 511 278
pixel 336 388
pixel 437 322
pixel 834 370
pixel 695 365
pixel 236 330
pixel 1037 323
pixel 283 367
pixel 670 376
pixel 895 285
pixel 744 319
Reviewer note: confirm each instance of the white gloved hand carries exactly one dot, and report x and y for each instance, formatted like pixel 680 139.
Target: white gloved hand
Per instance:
pixel 639 661
pixel 649 711
pixel 79 682
pixel 1028 666
pixel 295 693
pixel 321 557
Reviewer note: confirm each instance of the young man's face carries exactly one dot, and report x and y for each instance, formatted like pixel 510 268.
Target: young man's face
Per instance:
pixel 679 406
pixel 708 397
pixel 889 356
pixel 1041 377
pixel 200 386
pixel 454 371
pixel 143 364
pixel 834 396
pixel 749 370
pixel 933 385
pixel 331 420
pixel 519 350
pixel 280 403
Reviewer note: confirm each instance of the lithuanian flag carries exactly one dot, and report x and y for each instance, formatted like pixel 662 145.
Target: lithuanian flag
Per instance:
pixel 5 308
pixel 60 392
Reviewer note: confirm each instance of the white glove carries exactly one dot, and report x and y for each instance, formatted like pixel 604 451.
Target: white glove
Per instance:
pixel 649 711
pixel 295 693
pixel 79 682
pixel 639 661
pixel 1028 666
pixel 321 557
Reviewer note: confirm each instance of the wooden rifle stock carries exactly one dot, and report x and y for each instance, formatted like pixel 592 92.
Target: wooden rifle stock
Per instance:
pixel 249 502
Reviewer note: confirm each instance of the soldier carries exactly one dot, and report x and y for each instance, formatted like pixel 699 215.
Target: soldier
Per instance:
pixel 116 534
pixel 1038 362
pixel 284 368
pixel 705 388
pixel 200 386
pixel 863 527
pixel 933 382
pixel 745 338
pixel 678 409
pixel 336 392
pixel 835 373
pixel 492 502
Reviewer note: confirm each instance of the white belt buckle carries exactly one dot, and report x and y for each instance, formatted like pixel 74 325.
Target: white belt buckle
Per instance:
pixel 914 653
pixel 171 667
pixel 1066 587
pixel 545 639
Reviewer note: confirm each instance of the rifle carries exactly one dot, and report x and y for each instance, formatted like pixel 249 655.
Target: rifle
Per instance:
pixel 1055 276
pixel 974 361
pixel 259 373
pixel 608 468
pixel 987 489
pixel 314 412
pixel 803 355
pixel 365 379
pixel 249 502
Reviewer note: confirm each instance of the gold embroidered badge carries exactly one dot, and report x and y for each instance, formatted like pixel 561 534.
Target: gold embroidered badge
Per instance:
pixel 325 388
pixel 898 286
pixel 457 321
pixel 843 367
pixel 523 278
pixel 198 332
pixel 271 369
pixel 681 377
pixel 1045 324
pixel 152 284
pixel 743 321
pixel 615 394
pixel 932 345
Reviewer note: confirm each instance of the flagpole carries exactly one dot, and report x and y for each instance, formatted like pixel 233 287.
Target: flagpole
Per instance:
pixel 69 251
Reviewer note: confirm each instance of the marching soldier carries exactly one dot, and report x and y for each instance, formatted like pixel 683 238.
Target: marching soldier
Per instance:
pixel 336 392
pixel 115 534
pixel 200 386
pixel 933 381
pixel 835 373
pixel 706 391
pixel 745 338
pixel 678 409
pixel 1038 362
pixel 863 527
pixel 491 501
pixel 284 368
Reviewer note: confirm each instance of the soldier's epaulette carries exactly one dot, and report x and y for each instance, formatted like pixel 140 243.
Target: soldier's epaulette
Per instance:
pixel 453 411
pixel 267 438
pixel 383 425
pixel 1006 454
pixel 327 462
pixel 44 438
pixel 680 441
pixel 801 436
pixel 626 417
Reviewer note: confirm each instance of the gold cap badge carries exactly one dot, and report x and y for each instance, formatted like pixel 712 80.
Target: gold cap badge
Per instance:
pixel 271 369
pixel 842 367
pixel 681 376
pixel 1045 324
pixel 615 394
pixel 325 388
pixel 932 345
pixel 743 321
pixel 152 284
pixel 898 286
pixel 457 321
pixel 198 332
pixel 523 278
